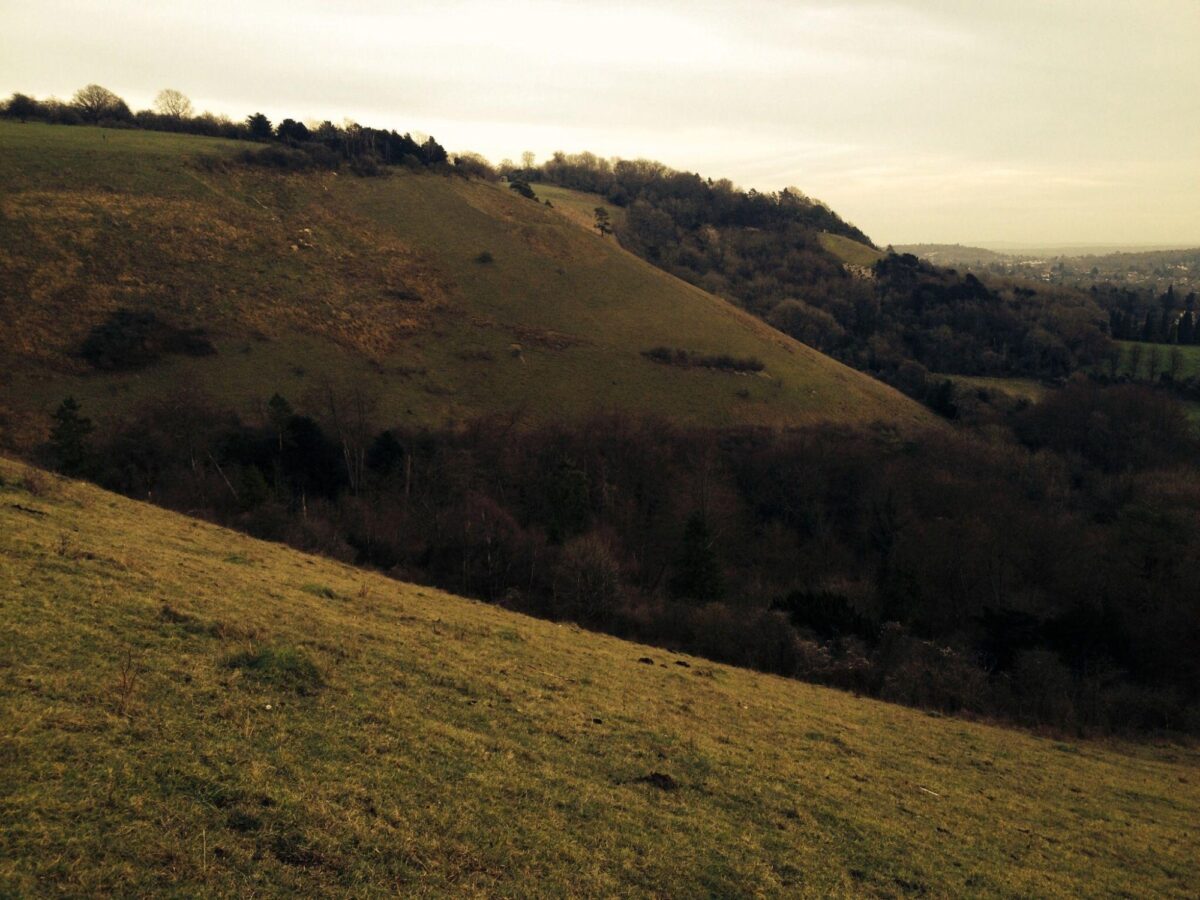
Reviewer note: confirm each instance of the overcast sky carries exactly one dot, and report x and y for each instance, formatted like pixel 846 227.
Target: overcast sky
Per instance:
pixel 1028 121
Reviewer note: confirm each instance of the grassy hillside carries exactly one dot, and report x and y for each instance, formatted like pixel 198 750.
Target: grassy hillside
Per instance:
pixel 1022 388
pixel 187 710
pixel 578 206
pixel 381 283
pixel 852 253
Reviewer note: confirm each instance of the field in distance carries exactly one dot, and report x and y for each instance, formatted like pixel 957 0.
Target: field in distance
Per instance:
pixel 187 710
pixel 440 298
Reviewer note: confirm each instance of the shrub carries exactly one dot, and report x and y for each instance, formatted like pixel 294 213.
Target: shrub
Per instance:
pixel 523 188
pixel 687 359
pixel 485 258
pixel 130 339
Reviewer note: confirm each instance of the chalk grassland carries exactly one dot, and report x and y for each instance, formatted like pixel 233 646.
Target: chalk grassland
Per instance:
pixel 850 252
pixel 185 710
pixel 378 283
pixel 579 206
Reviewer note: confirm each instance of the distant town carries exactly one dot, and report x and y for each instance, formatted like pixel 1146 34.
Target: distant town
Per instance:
pixel 1153 270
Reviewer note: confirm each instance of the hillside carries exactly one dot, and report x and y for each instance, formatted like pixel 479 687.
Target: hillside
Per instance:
pixel 188 710
pixel 850 252
pixel 438 298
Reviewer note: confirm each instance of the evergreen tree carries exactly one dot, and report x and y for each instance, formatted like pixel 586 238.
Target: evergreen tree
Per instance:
pixel 1187 328
pixel 697 571
pixel 259 127
pixel 69 447
pixel 1148 329
pixel 279 412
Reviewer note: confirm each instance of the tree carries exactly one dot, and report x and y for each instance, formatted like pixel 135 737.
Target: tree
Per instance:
pixel 69 448
pixel 259 127
pixel 96 103
pixel 279 413
pixel 173 103
pixel 21 107
pixel 697 571
pixel 433 153
pixel 603 221
pixel 291 131
pixel 587 579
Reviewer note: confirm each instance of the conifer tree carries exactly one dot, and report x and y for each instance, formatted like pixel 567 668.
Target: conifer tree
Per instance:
pixel 697 571
pixel 69 447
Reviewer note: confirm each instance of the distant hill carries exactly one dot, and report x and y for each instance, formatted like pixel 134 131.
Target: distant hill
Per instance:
pixel 188 711
pixel 950 254
pixel 1081 266
pixel 439 298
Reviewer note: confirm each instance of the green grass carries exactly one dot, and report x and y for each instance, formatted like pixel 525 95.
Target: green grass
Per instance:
pixel 850 252
pixel 579 206
pixel 1023 388
pixel 1156 359
pixel 181 714
pixel 368 284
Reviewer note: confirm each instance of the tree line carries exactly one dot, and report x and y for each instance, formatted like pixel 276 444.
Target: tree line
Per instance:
pixel 1041 570
pixel 295 144
pixel 1162 319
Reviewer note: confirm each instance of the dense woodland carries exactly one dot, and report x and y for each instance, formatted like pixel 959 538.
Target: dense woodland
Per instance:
pixel 1043 574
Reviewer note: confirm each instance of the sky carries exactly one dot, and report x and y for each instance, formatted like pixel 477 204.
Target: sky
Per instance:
pixel 955 121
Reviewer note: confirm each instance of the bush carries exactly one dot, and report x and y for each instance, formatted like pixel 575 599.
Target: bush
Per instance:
pixel 130 339
pixel 686 359
pixel 523 189
pixel 285 159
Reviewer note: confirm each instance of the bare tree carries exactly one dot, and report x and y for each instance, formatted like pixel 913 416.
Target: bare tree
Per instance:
pixel 173 103
pixel 95 103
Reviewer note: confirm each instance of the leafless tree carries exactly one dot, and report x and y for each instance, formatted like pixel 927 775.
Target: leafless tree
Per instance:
pixel 95 103
pixel 173 103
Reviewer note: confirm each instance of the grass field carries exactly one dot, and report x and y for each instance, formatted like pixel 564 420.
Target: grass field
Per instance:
pixel 1153 360
pixel 850 252
pixel 372 282
pixel 1024 388
pixel 187 711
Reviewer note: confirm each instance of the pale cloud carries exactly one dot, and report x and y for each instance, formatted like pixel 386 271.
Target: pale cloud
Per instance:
pixel 1024 120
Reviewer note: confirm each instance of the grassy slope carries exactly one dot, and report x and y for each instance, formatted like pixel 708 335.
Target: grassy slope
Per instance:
pixel 1026 388
pixel 456 747
pixel 371 282
pixel 852 253
pixel 578 206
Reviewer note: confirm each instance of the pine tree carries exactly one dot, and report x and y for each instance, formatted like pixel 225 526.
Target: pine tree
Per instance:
pixel 1187 328
pixel 697 571
pixel 1148 329
pixel 69 448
